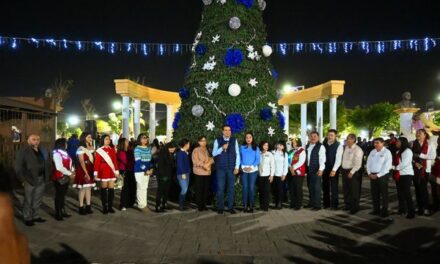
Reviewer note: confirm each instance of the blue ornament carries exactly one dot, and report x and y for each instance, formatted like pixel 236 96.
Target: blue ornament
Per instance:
pixel 281 119
pixel 236 122
pixel 233 58
pixel 176 121
pixel 247 3
pixel 274 74
pixel 184 93
pixel 201 49
pixel 266 114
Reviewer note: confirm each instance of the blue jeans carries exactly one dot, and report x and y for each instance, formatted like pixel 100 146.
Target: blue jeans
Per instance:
pixel 183 184
pixel 225 177
pixel 314 184
pixel 248 181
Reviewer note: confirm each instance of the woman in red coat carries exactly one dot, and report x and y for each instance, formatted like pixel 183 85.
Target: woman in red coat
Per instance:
pixel 84 172
pixel 106 171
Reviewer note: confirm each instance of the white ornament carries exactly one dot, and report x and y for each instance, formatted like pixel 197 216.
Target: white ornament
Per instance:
pixel 212 58
pixel 262 5
pixel 274 111
pixel 267 50
pixel 210 87
pixel 216 38
pixel 271 131
pixel 234 23
pixel 234 89
pixel 253 82
pixel 207 2
pixel 210 126
pixel 209 66
pixel 272 105
pixel 250 48
pixel 221 2
pixel 197 110
pixel 196 41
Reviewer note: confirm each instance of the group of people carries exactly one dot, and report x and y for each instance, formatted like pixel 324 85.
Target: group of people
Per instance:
pixel 278 171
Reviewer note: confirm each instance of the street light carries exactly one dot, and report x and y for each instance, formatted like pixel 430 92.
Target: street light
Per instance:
pixel 117 105
pixel 95 116
pixel 73 120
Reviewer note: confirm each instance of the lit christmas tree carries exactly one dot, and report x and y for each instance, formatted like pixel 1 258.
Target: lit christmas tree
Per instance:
pixel 231 80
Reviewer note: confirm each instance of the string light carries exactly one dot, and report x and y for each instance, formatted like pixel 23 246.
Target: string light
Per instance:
pixel 367 47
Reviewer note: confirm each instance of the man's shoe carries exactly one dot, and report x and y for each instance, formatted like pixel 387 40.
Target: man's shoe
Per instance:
pixel 65 214
pixel 410 215
pixel 220 211
pixel 58 217
pixel 111 210
pixel 316 208
pixel 232 211
pixel 29 223
pixel 39 220
pixel 353 211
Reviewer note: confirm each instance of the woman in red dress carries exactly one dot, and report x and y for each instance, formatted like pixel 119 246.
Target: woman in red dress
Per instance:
pixel 84 172
pixel 106 171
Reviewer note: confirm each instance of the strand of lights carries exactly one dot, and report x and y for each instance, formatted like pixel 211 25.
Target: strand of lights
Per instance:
pixel 162 49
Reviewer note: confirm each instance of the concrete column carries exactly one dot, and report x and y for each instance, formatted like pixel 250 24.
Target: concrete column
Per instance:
pixel 152 122
pixel 286 118
pixel 333 113
pixel 137 117
pixel 319 117
pixel 169 122
pixel 304 124
pixel 125 116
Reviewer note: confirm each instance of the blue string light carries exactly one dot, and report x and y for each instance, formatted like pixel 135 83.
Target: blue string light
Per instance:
pixel 79 45
pixel 283 48
pixel 65 43
pixel 112 48
pixel 176 48
pixel 99 44
pixel 14 43
pixel 144 49
pixel 161 50
pixel 51 42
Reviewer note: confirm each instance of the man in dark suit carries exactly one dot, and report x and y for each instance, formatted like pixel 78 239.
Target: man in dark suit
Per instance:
pixel 33 168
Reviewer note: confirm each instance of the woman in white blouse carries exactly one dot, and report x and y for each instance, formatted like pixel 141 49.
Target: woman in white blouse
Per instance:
pixel 267 171
pixel 403 175
pixel 281 159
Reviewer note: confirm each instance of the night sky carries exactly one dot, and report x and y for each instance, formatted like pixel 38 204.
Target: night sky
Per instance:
pixel 370 78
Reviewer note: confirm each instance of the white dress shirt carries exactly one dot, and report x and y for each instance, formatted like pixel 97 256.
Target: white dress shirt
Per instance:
pixel 352 158
pixel 281 163
pixel 267 164
pixel 405 166
pixel 429 157
pixel 379 162
pixel 322 157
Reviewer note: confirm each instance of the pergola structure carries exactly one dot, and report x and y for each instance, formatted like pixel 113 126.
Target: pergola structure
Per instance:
pixel 330 90
pixel 130 90
pixel 137 92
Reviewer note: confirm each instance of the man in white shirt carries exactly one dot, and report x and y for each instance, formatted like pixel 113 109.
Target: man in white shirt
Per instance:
pixel 330 178
pixel 379 164
pixel 315 167
pixel 351 174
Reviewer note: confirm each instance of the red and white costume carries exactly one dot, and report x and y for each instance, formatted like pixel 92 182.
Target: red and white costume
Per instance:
pixel 80 178
pixel 298 162
pixel 106 165
pixel 62 164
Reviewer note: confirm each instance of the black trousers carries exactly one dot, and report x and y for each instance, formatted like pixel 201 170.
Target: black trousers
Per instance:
pixel 163 188
pixel 60 195
pixel 264 190
pixel 278 190
pixel 351 189
pixel 434 193
pixel 296 191
pixel 202 184
pixel 379 191
pixel 406 204
pixel 330 192
pixel 128 192
pixel 421 187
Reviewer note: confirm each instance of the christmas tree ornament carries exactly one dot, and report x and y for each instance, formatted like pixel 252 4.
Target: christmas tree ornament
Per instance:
pixel 197 110
pixel 234 89
pixel 253 82
pixel 262 5
pixel 234 23
pixel 267 50
pixel 210 126
pixel 207 2
pixel 271 131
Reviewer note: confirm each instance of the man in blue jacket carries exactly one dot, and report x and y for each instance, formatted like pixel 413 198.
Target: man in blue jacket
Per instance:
pixel 226 153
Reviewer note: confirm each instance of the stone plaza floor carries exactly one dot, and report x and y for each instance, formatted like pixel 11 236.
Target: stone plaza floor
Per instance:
pixel 277 236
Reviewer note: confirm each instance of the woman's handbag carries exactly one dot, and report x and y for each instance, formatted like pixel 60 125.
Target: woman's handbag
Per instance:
pixel 120 180
pixel 64 180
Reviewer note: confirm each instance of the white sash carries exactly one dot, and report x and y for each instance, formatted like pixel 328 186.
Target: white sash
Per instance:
pixel 106 157
pixel 87 152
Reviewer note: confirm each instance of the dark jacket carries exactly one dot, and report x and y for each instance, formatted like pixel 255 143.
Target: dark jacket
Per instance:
pixel 166 165
pixel 27 165
pixel 182 163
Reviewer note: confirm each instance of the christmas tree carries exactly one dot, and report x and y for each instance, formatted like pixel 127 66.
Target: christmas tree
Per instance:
pixel 231 80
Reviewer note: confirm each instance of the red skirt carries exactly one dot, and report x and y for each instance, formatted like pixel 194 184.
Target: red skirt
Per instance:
pixel 80 180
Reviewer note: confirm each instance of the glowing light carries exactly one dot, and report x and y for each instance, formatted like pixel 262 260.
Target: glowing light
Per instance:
pixel 117 105
pixel 73 120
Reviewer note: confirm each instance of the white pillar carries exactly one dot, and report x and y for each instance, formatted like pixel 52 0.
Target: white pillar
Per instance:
pixel 333 113
pixel 152 122
pixel 125 116
pixel 304 124
pixel 137 117
pixel 319 116
pixel 169 122
pixel 286 118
